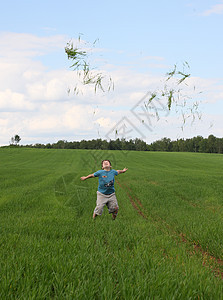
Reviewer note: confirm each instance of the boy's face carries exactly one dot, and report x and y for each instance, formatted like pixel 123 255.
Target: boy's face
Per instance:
pixel 106 164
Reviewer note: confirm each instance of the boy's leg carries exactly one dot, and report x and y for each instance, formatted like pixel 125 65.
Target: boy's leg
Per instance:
pixel 113 206
pixel 114 214
pixel 101 201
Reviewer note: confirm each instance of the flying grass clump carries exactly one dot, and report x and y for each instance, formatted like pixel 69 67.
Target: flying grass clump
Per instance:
pixel 87 74
pixel 177 94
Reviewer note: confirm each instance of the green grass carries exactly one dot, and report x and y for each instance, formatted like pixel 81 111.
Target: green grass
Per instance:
pixel 170 247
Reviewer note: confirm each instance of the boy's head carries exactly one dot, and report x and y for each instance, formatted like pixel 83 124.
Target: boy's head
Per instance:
pixel 105 164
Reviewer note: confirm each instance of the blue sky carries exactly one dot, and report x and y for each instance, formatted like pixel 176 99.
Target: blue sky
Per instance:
pixel 138 43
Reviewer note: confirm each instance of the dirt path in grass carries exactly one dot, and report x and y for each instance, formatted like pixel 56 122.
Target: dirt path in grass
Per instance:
pixel 208 260
pixel 136 203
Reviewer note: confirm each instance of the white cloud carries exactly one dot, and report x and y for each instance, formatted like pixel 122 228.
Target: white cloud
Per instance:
pixel 23 45
pixel 78 117
pixel 105 123
pixel 61 117
pixel 49 86
pixel 215 9
pixel 18 54
pixel 22 73
pixel 11 101
pixel 34 102
pixel 41 123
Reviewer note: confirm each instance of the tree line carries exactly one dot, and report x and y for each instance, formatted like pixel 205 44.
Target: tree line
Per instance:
pixel 211 144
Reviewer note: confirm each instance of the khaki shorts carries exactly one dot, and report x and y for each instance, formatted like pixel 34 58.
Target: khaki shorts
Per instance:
pixel 109 200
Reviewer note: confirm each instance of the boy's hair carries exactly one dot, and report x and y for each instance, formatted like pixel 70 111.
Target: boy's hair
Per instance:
pixel 105 160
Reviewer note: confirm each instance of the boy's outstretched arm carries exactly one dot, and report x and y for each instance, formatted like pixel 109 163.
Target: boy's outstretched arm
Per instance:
pixel 86 177
pixel 122 171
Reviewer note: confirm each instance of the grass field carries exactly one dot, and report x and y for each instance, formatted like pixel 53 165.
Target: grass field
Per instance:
pixel 166 243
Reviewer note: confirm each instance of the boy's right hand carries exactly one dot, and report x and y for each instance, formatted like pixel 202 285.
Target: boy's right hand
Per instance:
pixel 83 178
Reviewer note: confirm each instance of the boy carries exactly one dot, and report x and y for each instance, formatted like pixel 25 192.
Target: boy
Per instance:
pixel 106 191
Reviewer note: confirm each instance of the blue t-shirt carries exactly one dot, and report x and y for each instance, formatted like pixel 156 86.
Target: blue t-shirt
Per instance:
pixel 106 181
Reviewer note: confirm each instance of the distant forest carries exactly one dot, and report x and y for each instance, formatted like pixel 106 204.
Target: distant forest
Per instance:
pixel 211 144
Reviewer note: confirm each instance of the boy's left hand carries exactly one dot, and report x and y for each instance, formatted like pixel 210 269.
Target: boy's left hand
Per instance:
pixel 125 169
